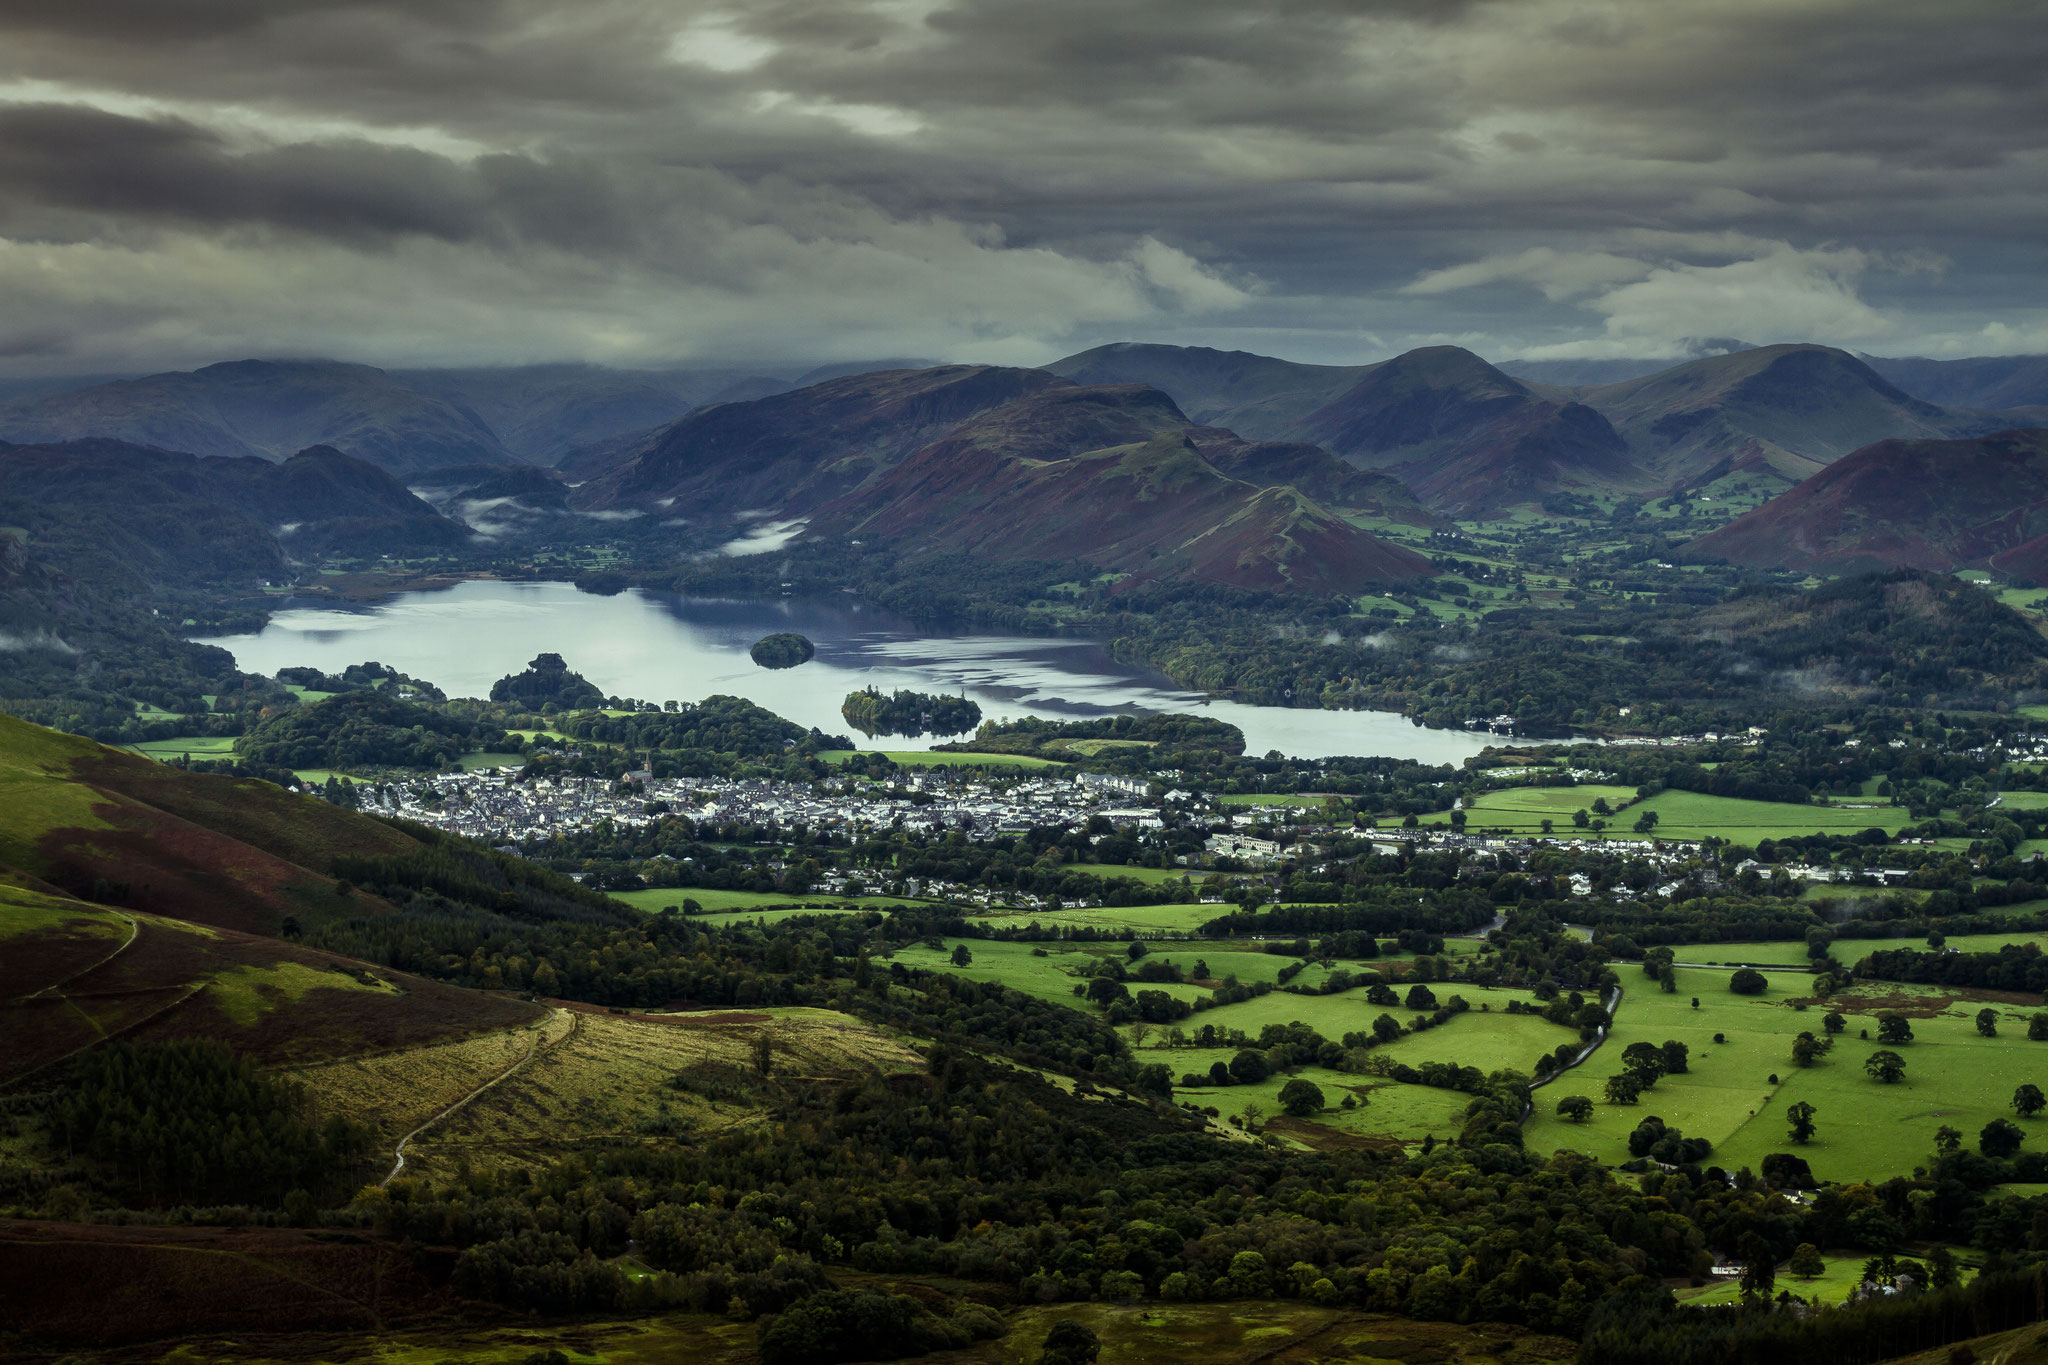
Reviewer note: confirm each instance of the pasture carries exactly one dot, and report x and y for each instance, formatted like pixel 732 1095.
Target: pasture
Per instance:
pixel 1867 1130
pixel 1149 875
pixel 188 746
pixel 1180 920
pixel 1692 815
pixel 773 904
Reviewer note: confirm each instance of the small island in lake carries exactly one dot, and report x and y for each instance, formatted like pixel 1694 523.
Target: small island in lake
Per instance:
pixel 784 649
pixel 904 712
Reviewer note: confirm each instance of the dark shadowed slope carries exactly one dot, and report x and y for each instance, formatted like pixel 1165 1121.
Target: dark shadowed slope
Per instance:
pixel 1255 395
pixel 791 451
pixel 1905 504
pixel 1788 411
pixel 1988 383
pixel 267 408
pixel 1470 440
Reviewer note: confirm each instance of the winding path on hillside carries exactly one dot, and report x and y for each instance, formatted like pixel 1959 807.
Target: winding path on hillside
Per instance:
pixel 535 1045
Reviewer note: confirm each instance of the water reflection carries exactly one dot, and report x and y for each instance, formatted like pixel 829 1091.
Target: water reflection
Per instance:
pixel 658 646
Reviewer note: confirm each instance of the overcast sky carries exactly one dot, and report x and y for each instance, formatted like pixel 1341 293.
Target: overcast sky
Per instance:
pixel 484 181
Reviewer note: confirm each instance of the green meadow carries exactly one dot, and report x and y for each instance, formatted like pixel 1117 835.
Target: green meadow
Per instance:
pixel 1149 919
pixel 771 904
pixel 1866 1129
pixel 1142 874
pixel 191 746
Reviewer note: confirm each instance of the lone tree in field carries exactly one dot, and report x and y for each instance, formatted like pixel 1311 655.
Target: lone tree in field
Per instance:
pixel 1677 1057
pixel 962 955
pixel 1987 1023
pixel 1070 1343
pixel 1833 1023
pixel 1801 1115
pixel 1301 1098
pixel 2037 1029
pixel 1806 1261
pixel 1886 1066
pixel 1623 1089
pixel 1807 1049
pixel 2028 1100
pixel 1748 981
pixel 1575 1108
pixel 1894 1029
pixel 2000 1139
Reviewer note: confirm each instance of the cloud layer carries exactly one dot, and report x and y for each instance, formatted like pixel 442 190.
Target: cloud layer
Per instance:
pixel 638 181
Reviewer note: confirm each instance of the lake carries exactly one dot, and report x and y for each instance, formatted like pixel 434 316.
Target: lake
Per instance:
pixel 658 646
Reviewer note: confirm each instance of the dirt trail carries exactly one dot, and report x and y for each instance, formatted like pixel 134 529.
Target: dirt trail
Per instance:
pixel 536 1044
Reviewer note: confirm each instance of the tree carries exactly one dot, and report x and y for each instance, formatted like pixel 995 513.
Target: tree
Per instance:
pixel 1987 1023
pixel 1894 1029
pixel 1249 1067
pixel 1070 1343
pixel 1806 1261
pixel 1677 1057
pixel 1623 1089
pixel 1807 1049
pixel 2000 1138
pixel 2028 1100
pixel 1801 1115
pixel 2037 1028
pixel 1833 1023
pixel 1301 1098
pixel 1886 1066
pixel 1644 1062
pixel 764 1053
pixel 1386 1028
pixel 1420 997
pixel 962 955
pixel 1575 1108
pixel 1748 981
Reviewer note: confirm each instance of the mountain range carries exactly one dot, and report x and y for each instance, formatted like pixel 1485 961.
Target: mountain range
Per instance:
pixel 1153 459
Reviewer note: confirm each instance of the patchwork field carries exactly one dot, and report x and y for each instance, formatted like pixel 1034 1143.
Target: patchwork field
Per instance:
pixel 1866 1129
pixel 721 904
pixel 916 758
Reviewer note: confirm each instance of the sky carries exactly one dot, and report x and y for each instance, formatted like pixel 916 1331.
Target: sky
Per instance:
pixel 642 183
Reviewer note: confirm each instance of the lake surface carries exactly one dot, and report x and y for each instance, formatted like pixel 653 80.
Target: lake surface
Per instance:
pixel 658 646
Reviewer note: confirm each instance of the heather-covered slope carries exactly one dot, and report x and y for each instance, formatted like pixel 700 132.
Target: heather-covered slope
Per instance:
pixel 1905 504
pixel 789 452
pixel 1153 508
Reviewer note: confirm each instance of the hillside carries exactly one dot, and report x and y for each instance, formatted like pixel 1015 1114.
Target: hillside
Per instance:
pixel 1784 411
pixel 1013 486
pixel 1905 504
pixel 140 899
pixel 1259 396
pixel 1470 440
pixel 791 451
pixel 1315 472
pixel 1992 382
pixel 173 517
pixel 539 413
pixel 268 408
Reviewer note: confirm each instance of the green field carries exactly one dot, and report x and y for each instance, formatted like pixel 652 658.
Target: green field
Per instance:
pixel 1387 1108
pixel 1159 919
pixel 1524 809
pixel 1309 800
pixel 1691 815
pixel 721 904
pixel 911 758
pixel 193 746
pixel 1050 977
pixel 1779 954
pixel 1867 1130
pixel 1844 1272
pixel 1142 874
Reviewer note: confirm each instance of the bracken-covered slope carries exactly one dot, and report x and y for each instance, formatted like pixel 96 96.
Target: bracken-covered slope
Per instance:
pixel 1905 504
pixel 142 901
pixel 1028 481
pixel 267 408
pixel 1315 472
pixel 789 452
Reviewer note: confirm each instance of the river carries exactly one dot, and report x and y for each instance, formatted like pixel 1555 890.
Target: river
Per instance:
pixel 658 646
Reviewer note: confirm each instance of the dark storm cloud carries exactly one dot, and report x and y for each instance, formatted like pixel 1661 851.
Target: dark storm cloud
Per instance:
pixel 629 179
